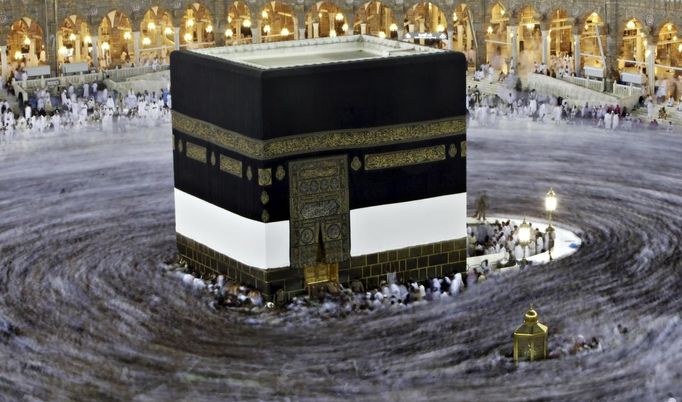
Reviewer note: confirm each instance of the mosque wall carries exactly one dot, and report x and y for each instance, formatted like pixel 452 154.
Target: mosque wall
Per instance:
pixel 653 15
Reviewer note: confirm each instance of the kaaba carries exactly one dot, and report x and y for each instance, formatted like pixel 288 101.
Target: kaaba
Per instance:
pixel 335 159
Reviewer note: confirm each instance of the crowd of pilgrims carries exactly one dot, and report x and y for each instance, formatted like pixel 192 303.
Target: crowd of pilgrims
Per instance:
pixel 558 67
pixel 76 107
pixel 332 299
pixel 486 109
pixel 502 238
pixel 512 102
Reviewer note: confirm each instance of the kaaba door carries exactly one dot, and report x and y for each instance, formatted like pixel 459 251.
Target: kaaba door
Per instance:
pixel 319 226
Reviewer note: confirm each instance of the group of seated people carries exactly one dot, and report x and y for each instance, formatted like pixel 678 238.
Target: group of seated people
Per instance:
pixel 502 238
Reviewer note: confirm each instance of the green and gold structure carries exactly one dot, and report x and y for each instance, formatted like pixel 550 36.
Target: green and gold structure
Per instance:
pixel 530 339
pixel 339 158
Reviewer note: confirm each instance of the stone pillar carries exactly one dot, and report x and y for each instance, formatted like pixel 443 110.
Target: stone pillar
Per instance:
pixel 513 32
pixel 299 23
pixel 316 30
pixel 639 49
pixel 136 47
pixel 613 34
pixel 576 54
pixel 349 21
pixel 451 35
pixel 94 52
pixel 220 15
pixel 460 38
pixel 59 46
pixel 255 31
pixel 4 66
pixel 176 37
pixel 545 46
pixel 470 38
pixel 200 33
pixel 77 50
pixel 363 29
pixel 32 52
pixel 651 65
pixel 479 29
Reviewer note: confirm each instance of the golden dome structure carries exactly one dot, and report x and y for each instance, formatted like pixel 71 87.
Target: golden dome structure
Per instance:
pixel 530 339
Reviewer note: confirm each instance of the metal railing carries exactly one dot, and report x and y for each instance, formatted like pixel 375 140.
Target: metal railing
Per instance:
pixel 621 90
pixel 29 86
pixel 122 74
pixel 595 85
pixel 64 80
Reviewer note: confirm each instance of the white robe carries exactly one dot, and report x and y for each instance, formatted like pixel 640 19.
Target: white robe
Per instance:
pixel 518 253
pixel 608 120
pixel 456 285
pixel 557 113
pixel 616 122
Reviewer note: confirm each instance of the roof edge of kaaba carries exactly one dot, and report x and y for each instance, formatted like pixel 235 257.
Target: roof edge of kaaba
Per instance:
pixel 281 102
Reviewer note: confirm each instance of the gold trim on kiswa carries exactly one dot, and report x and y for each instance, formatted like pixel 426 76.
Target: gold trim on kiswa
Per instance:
pixel 231 166
pixel 320 141
pixel 196 152
pixel 264 177
pixel 404 158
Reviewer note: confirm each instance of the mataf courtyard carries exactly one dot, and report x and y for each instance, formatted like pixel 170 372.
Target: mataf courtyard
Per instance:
pixel 87 313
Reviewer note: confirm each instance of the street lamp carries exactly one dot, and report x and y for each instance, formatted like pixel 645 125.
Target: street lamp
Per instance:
pixel 524 239
pixel 550 206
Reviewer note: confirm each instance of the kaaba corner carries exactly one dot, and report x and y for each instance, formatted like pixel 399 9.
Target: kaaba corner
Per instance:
pixel 320 160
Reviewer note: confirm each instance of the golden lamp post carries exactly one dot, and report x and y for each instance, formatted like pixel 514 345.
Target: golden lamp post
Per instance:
pixel 530 339
pixel 550 206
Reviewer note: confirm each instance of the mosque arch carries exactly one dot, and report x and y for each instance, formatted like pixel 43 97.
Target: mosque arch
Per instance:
pixel 668 60
pixel 633 41
pixel 426 17
pixel 115 39
pixel 74 41
pixel 377 18
pixel 561 33
pixel 593 42
pixel 498 40
pixel 464 35
pixel 669 46
pixel 325 19
pixel 238 31
pixel 633 49
pixel 26 43
pixel 278 22
pixel 529 36
pixel 157 35
pixel 196 27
